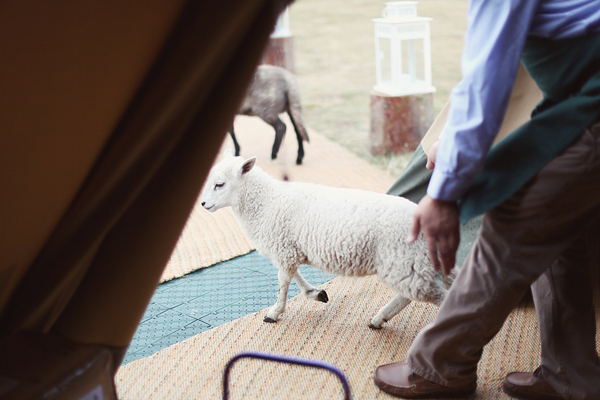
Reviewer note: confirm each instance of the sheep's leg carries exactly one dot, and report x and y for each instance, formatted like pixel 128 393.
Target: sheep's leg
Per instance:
pixel 277 309
pixel 300 144
pixel 235 142
pixel 280 128
pixel 388 311
pixel 309 290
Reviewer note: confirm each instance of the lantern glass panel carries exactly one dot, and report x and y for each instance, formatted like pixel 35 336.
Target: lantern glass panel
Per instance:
pixel 385 58
pixel 412 56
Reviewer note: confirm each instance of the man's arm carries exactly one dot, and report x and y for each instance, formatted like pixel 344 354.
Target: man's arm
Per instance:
pixel 493 44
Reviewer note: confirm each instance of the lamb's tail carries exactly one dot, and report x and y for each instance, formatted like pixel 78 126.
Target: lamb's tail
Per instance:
pixel 295 109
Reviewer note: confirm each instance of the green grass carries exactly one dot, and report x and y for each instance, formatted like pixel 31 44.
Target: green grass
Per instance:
pixel 334 55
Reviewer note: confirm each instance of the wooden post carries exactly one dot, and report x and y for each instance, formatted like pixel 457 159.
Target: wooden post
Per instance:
pixel 398 123
pixel 280 52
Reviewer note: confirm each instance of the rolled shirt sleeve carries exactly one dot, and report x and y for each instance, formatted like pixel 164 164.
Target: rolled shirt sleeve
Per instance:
pixel 493 43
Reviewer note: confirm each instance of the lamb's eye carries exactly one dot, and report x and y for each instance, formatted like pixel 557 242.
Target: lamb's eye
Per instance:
pixel 219 185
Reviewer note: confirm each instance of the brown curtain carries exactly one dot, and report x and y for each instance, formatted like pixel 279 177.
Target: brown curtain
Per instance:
pixel 127 103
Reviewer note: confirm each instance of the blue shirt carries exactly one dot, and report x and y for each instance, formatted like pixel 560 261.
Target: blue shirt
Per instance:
pixel 496 34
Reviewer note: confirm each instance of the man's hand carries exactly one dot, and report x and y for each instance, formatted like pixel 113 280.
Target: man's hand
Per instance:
pixel 439 222
pixel 431 154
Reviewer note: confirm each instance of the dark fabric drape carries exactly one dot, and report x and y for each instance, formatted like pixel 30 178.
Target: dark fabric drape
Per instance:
pixel 412 183
pixel 94 276
pixel 567 73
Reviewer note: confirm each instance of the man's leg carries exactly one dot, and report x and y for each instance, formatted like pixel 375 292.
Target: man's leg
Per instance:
pixel 518 241
pixel 564 304
pixel 481 298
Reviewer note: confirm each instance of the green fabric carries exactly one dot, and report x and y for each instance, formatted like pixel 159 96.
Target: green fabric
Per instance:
pixel 414 179
pixel 568 73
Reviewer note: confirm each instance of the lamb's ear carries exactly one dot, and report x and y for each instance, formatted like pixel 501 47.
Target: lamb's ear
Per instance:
pixel 228 153
pixel 247 165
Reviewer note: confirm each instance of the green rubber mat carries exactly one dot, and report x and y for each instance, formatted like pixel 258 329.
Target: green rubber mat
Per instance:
pixel 210 297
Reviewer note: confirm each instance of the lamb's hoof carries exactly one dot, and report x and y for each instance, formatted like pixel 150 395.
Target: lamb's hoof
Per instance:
pixel 299 161
pixel 269 320
pixel 322 297
pixel 375 327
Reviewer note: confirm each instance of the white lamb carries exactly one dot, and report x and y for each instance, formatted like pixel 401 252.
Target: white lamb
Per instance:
pixel 342 231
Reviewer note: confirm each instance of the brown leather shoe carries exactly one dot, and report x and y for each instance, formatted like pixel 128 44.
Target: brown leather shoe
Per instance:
pixel 529 386
pixel 399 380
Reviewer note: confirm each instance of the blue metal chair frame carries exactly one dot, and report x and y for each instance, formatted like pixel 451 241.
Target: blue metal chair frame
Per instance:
pixel 286 360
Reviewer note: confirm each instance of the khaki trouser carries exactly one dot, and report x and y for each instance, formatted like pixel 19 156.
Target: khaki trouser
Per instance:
pixel 535 237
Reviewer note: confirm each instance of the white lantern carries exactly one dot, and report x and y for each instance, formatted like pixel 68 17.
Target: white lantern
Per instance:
pixel 282 26
pixel 402 50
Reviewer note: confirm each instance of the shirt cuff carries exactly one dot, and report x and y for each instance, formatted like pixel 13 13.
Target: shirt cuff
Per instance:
pixel 447 187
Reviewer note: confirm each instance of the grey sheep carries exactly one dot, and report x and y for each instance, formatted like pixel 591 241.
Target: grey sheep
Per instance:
pixel 273 91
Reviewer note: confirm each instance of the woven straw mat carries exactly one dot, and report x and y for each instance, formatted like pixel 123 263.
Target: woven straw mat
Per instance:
pixel 335 332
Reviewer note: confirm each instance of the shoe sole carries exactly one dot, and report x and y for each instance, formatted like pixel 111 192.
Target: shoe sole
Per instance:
pixel 426 395
pixel 509 391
